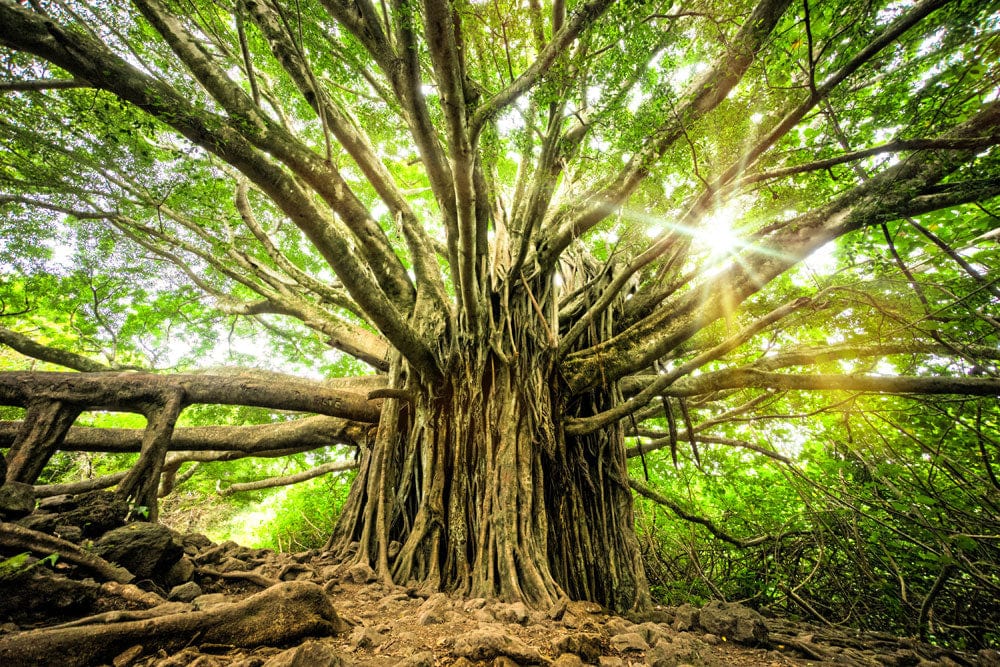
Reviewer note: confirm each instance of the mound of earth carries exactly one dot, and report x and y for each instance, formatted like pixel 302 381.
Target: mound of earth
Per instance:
pixel 160 599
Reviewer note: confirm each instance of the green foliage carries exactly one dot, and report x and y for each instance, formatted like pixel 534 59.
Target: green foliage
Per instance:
pixel 294 518
pixel 16 567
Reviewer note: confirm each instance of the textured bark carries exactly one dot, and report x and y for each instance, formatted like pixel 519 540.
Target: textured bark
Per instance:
pixel 13 536
pixel 38 438
pixel 483 492
pixel 278 615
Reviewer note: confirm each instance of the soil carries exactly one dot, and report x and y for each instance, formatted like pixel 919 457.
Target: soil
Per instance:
pixel 394 625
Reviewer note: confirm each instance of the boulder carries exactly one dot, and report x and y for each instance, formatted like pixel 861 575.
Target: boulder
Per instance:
pixel 185 592
pixel 17 500
pixel 629 641
pixel 95 513
pixel 492 642
pixel 587 645
pixel 362 573
pixel 43 594
pixel 309 654
pixel 733 621
pixel 147 550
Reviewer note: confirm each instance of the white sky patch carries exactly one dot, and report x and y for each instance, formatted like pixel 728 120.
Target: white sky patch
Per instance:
pixel 755 118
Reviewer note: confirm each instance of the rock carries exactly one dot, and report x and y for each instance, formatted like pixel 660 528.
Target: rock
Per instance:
pixel 474 603
pixel 652 632
pixel 682 650
pixel 365 637
pixel 194 542
pixel 128 656
pixel 182 571
pixel 16 500
pixel 362 573
pixel 557 611
pixel 422 659
pixel 309 654
pixel 492 642
pixel 44 594
pixel 503 661
pixel 434 610
pixel 617 625
pixel 147 550
pixel 610 661
pixel 96 513
pixel 629 641
pixel 710 639
pixel 185 592
pixel 584 644
pixel 232 564
pixel 686 617
pixel 568 660
pixel 512 613
pixel 734 622
pixel 56 504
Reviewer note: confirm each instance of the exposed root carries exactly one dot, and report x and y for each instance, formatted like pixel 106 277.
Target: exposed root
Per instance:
pixel 278 615
pixel 13 536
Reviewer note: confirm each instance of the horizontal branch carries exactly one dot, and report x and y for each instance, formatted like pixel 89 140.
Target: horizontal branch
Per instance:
pixel 126 391
pixel 30 348
pixel 286 480
pixel 43 84
pixel 257 440
pixel 746 378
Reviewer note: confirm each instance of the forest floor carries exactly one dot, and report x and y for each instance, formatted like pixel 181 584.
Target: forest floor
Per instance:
pixel 227 605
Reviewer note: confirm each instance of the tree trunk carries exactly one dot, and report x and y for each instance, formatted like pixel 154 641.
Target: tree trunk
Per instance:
pixel 471 485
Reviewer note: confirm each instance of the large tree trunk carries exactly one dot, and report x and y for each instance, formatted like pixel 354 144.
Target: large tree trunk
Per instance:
pixel 471 485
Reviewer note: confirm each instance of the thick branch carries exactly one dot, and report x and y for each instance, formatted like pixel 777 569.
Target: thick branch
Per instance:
pixel 52 355
pixel 746 378
pixel 126 390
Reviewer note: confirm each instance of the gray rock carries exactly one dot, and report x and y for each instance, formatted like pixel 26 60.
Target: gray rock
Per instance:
pixel 365 637
pixel 41 593
pixel 686 618
pixel 587 645
pixel 492 642
pixel 512 613
pixel 362 573
pixel 96 513
pixel 17 500
pixel 652 632
pixel 310 654
pixel 61 503
pixel 629 641
pixel 422 659
pixel 684 649
pixel 734 622
pixel 181 572
pixel 185 592
pixel 147 550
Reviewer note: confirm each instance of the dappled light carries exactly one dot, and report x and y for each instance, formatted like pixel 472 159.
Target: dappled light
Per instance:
pixel 439 332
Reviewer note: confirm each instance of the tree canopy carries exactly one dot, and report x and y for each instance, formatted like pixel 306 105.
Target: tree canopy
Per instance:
pixel 561 235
